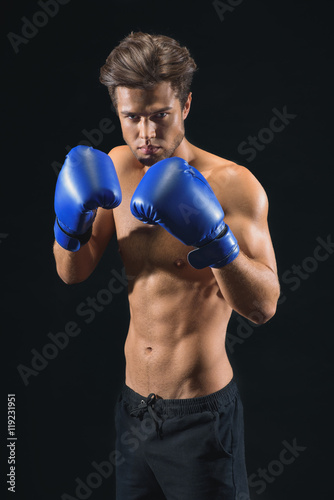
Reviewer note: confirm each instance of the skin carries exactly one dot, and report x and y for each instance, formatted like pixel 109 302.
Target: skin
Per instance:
pixel 175 345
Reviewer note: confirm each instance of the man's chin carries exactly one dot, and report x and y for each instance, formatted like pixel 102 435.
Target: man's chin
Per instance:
pixel 149 160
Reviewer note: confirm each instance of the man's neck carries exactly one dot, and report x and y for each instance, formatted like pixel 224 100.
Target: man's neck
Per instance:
pixel 185 150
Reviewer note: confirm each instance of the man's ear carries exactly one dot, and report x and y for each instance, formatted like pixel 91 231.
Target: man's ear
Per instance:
pixel 186 108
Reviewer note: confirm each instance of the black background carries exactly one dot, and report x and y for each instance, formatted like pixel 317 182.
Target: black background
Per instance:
pixel 262 55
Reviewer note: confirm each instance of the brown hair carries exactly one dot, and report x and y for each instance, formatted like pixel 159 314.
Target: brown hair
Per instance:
pixel 142 60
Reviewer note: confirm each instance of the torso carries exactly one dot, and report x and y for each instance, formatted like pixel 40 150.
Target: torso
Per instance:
pixel 175 345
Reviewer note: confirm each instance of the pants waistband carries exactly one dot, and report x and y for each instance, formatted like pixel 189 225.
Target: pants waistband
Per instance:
pixel 178 407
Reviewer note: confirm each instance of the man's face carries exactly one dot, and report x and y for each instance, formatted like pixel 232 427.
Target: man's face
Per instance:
pixel 152 121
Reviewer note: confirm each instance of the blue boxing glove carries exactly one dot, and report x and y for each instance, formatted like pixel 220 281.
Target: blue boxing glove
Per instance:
pixel 87 180
pixel 177 196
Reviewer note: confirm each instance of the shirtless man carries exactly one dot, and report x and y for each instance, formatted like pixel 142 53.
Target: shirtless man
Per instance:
pixel 179 419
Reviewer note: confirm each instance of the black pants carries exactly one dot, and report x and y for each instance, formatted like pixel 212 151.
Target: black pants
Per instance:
pixel 181 449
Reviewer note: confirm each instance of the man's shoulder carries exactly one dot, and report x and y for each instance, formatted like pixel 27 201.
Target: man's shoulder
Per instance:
pixel 232 183
pixel 121 156
pixel 120 151
pixel 219 168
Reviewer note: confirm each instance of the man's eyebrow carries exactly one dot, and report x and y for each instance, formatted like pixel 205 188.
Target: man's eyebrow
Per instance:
pixel 128 112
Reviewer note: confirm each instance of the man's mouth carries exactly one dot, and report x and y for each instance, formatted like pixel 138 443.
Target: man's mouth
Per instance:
pixel 149 150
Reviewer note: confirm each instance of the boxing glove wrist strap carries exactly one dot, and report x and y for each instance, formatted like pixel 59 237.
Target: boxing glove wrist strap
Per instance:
pixel 71 242
pixel 218 253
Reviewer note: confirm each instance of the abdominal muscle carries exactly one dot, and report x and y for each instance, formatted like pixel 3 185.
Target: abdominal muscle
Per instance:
pixel 175 345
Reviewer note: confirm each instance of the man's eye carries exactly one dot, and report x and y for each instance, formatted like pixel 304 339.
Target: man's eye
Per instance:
pixel 161 115
pixel 132 117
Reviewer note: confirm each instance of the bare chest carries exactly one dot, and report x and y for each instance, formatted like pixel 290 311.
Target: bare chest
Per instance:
pixel 146 247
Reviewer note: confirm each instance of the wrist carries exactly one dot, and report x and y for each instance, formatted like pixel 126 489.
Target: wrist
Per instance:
pixel 218 253
pixel 70 240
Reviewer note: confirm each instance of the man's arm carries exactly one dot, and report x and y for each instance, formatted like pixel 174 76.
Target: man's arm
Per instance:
pixel 249 284
pixel 75 267
pixel 179 198
pixel 87 190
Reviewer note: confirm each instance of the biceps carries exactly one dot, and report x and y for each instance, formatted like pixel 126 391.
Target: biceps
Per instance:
pixel 254 239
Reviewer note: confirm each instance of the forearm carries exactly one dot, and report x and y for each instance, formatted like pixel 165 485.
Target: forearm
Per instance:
pixel 249 287
pixel 74 267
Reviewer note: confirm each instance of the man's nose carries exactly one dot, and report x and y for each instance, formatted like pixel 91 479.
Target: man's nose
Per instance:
pixel 146 129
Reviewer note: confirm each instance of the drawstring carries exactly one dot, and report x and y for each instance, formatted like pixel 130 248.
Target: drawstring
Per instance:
pixel 148 405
